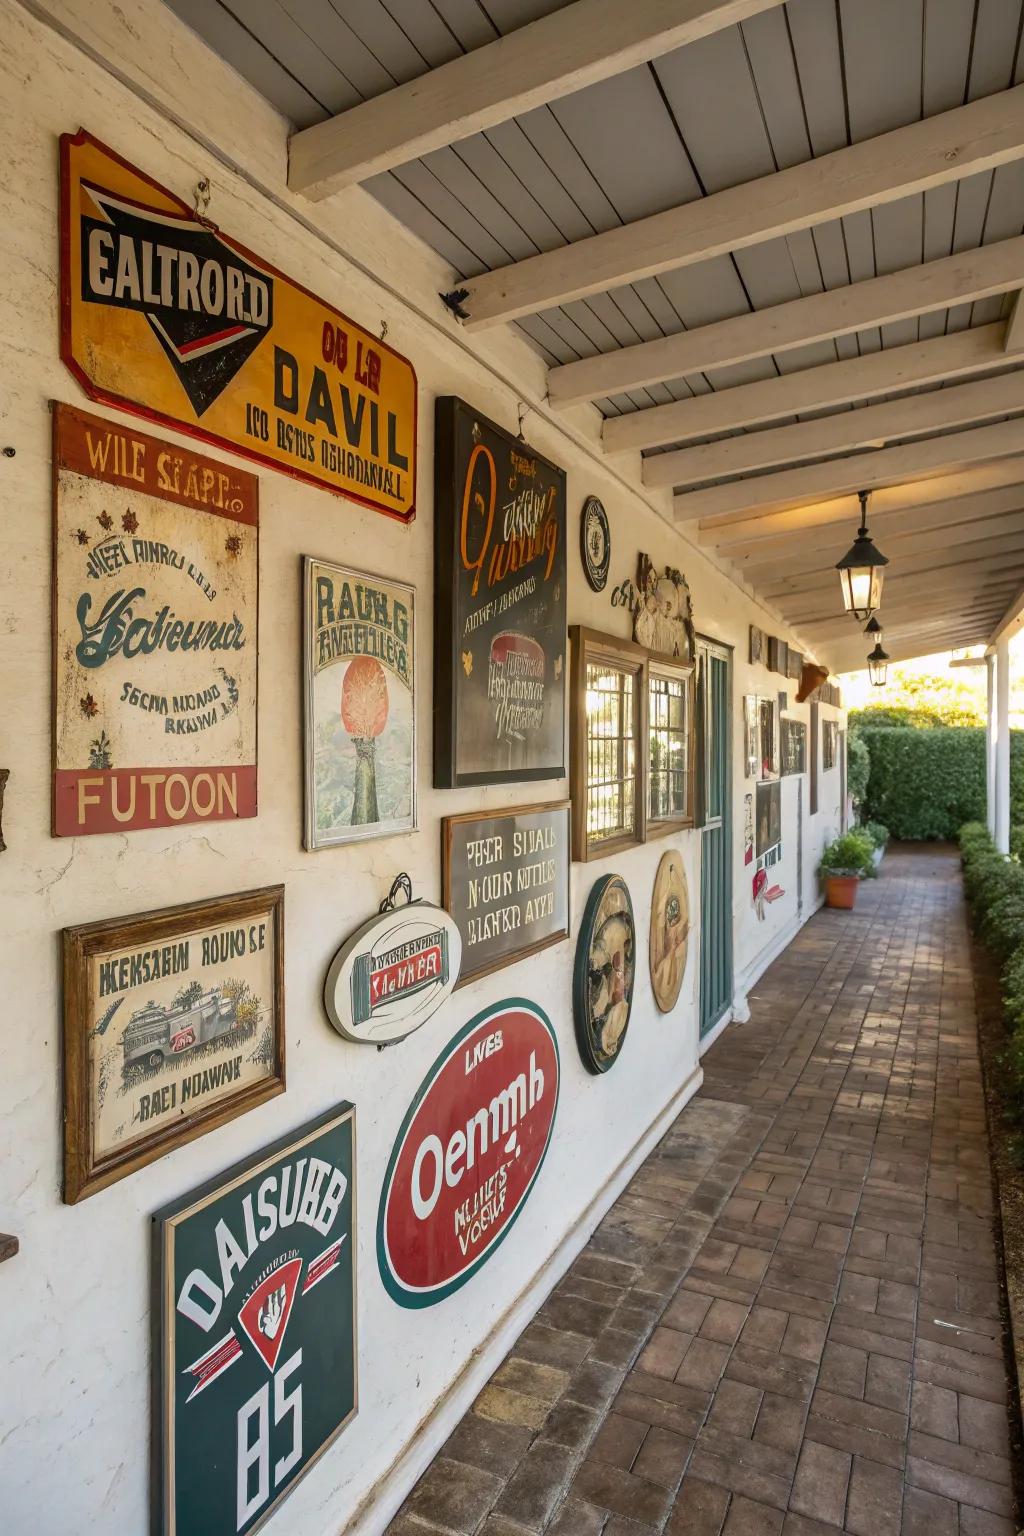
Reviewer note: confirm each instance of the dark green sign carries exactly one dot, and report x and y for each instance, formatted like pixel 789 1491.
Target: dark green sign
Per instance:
pixel 255 1357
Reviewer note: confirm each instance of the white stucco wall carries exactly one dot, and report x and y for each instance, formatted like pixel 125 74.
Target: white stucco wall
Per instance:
pixel 75 1304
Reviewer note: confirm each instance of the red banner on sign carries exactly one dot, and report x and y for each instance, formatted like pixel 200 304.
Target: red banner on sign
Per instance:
pixel 125 799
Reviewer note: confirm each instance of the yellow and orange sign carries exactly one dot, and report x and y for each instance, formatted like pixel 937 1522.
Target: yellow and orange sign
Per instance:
pixel 165 315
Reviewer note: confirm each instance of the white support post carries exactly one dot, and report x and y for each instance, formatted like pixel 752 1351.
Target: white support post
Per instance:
pixel 990 746
pixel 1002 744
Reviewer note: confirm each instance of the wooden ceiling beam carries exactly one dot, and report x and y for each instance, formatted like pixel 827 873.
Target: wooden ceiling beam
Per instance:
pixel 1011 620
pixel 872 426
pixel 962 142
pixel 833 539
pixel 539 62
pixel 811 389
pixel 739 500
pixel 919 290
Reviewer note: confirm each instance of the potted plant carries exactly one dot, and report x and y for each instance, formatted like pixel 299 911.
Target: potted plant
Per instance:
pixel 844 863
pixel 879 836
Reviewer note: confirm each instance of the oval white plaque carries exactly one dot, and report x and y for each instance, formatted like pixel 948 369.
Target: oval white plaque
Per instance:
pixel 393 973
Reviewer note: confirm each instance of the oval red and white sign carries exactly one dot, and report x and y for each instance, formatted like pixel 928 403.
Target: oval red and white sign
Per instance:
pixel 468 1152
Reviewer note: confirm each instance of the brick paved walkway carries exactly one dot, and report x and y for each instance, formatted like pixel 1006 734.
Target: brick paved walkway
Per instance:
pixel 790 1320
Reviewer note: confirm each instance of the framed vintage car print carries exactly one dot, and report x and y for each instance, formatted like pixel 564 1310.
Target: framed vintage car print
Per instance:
pixel 604 974
pixel 254 1330
pixel 499 605
pixel 173 1025
pixel 155 599
pixel 360 678
pixel 505 882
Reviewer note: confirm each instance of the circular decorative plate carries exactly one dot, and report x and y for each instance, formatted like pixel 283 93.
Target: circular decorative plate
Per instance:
pixel 670 930
pixel 602 988
pixel 595 543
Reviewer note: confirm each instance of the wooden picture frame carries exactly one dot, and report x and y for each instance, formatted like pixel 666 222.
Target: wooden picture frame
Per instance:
pixel 768 738
pixel 768 808
pixel 493 859
pixel 829 745
pixel 751 748
pixel 169 1048
pixel 590 646
pixel 499 604
pixel 359 647
pixel 793 738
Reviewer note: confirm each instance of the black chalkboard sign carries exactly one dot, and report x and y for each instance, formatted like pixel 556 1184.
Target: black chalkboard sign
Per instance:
pixel 505 878
pixel 499 605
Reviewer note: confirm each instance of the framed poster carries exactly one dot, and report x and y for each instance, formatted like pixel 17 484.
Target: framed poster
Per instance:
pixel 604 973
pixel 468 1152
pixel 829 744
pixel 155 597
pixel 768 735
pixel 173 1025
pixel 393 973
pixel 505 881
pixel 360 675
pixel 499 605
pixel 254 1330
pixel 165 315
pixel 670 929
pixel 794 746
pixel 756 645
pixel 751 746
pixel 769 816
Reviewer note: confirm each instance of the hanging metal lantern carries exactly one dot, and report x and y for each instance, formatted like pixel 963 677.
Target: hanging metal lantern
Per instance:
pixel 861 570
pixel 873 628
pixel 878 665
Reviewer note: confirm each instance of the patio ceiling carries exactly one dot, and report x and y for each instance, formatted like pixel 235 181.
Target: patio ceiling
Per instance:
pixel 777 245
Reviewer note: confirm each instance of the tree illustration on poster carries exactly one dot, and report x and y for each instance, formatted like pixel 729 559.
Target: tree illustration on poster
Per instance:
pixel 254 1323
pixel 500 605
pixel 602 985
pixel 360 661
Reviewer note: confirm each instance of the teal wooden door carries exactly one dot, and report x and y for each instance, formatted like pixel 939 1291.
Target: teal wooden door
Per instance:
pixel 714 703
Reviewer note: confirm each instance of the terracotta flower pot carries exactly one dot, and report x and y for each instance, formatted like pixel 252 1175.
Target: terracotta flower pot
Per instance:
pixel 841 891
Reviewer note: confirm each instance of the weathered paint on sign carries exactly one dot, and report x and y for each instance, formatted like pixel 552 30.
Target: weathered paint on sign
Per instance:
pixel 255 1330
pixel 164 314
pixel 156 573
pixel 393 973
pixel 360 676
pixel 468 1153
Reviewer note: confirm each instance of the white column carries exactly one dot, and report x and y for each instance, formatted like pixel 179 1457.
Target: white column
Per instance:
pixel 1002 833
pixel 990 746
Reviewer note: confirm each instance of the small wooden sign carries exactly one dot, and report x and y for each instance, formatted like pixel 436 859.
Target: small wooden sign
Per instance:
pixel 499 605
pixel 155 615
pixel 164 314
pixel 393 973
pixel 173 1025
pixel 506 883
pixel 254 1324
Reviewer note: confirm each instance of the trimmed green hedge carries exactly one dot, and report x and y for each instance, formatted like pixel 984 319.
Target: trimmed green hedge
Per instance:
pixel 994 887
pixel 927 784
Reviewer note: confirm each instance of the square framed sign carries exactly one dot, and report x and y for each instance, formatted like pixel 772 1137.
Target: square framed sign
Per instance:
pixel 360 722
pixel 499 605
pixel 173 1025
pixel 254 1330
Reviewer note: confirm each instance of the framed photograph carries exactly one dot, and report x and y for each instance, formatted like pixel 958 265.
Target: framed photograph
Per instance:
pixel 756 645
pixel 794 746
pixel 505 881
pixel 751 748
pixel 769 816
pixel 173 1025
pixel 604 973
pixel 254 1330
pixel 500 580
pixel 360 683
pixel 768 738
pixel 772 652
pixel 155 598
pixel 829 744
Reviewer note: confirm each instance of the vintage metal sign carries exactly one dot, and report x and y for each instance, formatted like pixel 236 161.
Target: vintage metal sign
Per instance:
pixel 505 881
pixel 255 1330
pixel 156 571
pixel 360 669
pixel 164 314
pixel 500 605
pixel 393 973
pixel 468 1153
pixel 604 973
pixel 173 1024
